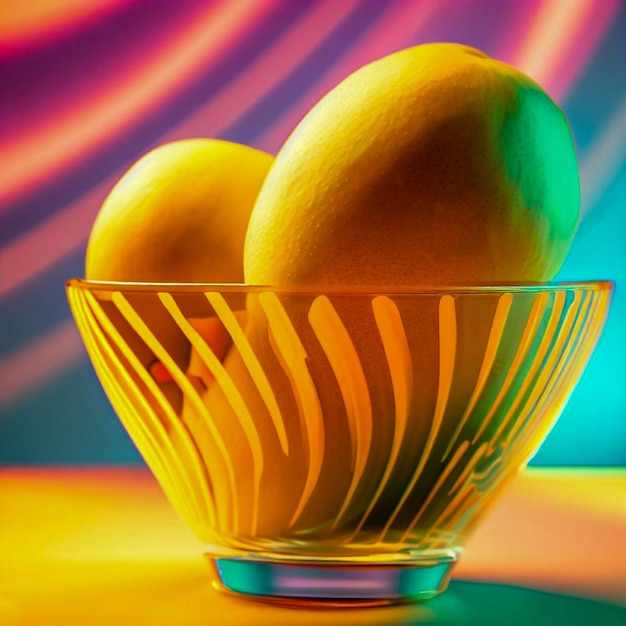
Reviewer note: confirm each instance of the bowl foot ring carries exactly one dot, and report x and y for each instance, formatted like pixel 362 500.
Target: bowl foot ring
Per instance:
pixel 297 583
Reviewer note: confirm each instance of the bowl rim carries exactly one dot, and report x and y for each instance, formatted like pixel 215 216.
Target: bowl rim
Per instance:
pixel 335 289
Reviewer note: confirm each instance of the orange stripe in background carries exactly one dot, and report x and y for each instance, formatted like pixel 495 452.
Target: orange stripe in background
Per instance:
pixel 28 22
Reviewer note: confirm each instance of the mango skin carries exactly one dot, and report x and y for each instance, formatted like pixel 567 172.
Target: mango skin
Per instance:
pixel 435 165
pixel 179 214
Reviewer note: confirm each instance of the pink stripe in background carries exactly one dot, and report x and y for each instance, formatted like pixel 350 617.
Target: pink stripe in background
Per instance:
pixel 37 157
pixel 267 71
pixel 561 40
pixel 50 241
pixel 389 33
pixel 519 22
pixel 39 361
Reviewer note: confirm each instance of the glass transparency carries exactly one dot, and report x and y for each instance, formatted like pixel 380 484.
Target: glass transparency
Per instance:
pixel 337 426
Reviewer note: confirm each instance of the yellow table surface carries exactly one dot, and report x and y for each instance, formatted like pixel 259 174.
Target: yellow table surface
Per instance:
pixel 103 546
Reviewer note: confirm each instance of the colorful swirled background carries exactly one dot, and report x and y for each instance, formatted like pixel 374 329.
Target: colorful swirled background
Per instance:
pixel 87 87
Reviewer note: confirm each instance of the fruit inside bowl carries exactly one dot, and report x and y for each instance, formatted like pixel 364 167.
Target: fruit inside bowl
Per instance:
pixel 333 360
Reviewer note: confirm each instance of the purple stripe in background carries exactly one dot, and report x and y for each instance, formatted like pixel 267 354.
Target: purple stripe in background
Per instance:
pixel 489 19
pixel 267 71
pixel 90 61
pixel 277 101
pixel 394 29
pixel 42 201
pixel 519 18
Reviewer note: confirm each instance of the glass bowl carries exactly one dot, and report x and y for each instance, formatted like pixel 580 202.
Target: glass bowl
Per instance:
pixel 336 446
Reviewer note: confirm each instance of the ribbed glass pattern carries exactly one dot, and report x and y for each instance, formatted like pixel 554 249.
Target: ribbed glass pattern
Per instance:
pixel 349 424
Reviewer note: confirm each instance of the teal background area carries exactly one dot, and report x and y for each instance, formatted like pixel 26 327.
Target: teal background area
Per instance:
pixel 53 410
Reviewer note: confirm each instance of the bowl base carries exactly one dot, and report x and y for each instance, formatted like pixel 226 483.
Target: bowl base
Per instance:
pixel 307 583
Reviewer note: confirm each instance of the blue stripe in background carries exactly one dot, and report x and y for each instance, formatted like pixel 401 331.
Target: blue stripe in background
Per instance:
pixel 66 421
pixel 40 305
pixel 600 89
